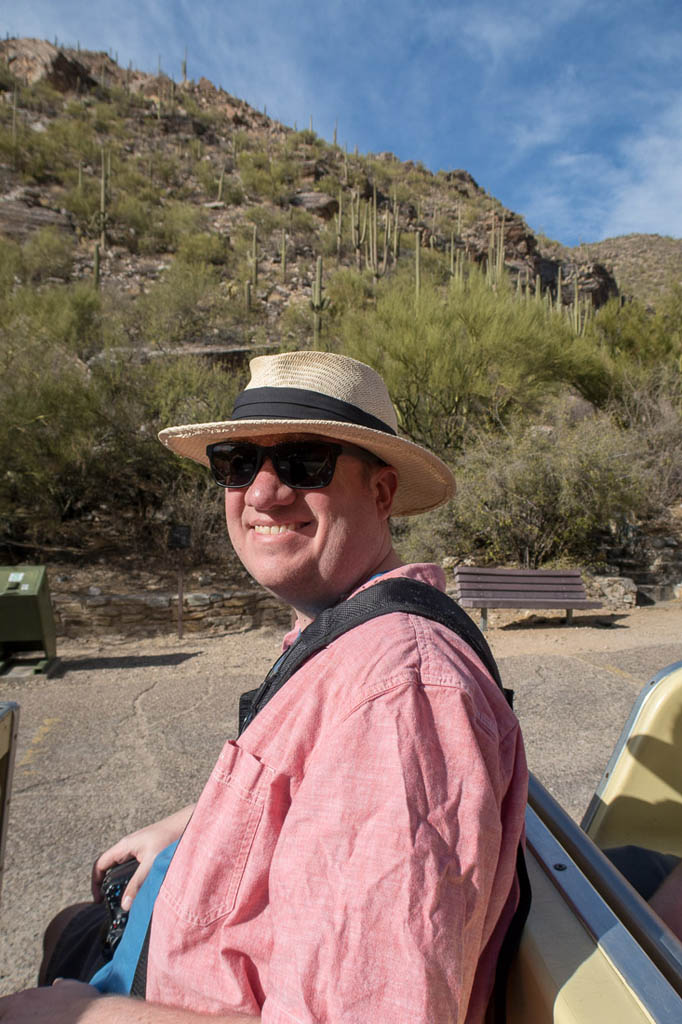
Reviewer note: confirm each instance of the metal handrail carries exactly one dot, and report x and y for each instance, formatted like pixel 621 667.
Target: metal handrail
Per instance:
pixel 645 926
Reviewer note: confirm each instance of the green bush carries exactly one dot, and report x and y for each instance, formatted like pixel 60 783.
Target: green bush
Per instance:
pixel 58 318
pixel 270 179
pixel 82 202
pixel 204 248
pixel 631 334
pixel 81 443
pixel 48 253
pixel 466 357
pixel 181 306
pixel 131 220
pixel 649 407
pixel 267 220
pixel 10 264
pixel 540 492
pixel 170 224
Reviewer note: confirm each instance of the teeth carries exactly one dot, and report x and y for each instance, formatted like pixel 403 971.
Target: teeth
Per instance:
pixel 284 528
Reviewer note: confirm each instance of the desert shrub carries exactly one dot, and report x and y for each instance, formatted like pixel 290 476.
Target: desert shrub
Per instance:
pixel 649 407
pixel 7 80
pixel 347 290
pixel 131 179
pixel 199 504
pixel 130 220
pixel 208 176
pixel 10 264
pixel 204 247
pixel 669 320
pixel 302 227
pixel 72 140
pixel 169 225
pixel 267 220
pixel 180 306
pixel 48 426
pixel 466 357
pixel 630 333
pixel 61 318
pixel 83 202
pixel 82 443
pixel 542 491
pixel 261 176
pixel 48 253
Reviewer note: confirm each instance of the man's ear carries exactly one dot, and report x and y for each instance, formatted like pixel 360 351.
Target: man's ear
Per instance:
pixel 385 483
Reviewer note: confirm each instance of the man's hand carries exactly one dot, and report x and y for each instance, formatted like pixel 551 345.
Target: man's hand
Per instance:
pixel 144 845
pixel 65 1002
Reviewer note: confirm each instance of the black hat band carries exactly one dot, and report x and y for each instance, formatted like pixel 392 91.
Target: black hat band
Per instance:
pixel 300 404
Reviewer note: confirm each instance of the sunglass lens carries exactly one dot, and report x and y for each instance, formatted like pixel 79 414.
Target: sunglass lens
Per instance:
pixel 305 465
pixel 234 465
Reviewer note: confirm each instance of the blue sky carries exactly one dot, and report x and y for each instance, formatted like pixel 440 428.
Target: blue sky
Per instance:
pixel 570 113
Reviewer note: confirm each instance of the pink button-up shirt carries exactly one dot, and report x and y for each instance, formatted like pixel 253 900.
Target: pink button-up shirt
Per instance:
pixel 352 857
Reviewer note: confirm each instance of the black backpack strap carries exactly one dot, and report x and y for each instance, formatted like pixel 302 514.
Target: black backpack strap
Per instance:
pixel 139 985
pixel 382 598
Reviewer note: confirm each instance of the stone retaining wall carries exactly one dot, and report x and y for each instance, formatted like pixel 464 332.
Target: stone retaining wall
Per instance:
pixel 227 611
pixel 150 614
pixel 617 593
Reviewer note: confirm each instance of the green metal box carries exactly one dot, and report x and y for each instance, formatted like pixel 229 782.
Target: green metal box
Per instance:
pixel 26 617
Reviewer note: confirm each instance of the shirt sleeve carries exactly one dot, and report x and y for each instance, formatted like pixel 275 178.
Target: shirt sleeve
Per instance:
pixel 385 885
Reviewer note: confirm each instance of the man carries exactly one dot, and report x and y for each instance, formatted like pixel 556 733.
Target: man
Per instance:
pixel 352 857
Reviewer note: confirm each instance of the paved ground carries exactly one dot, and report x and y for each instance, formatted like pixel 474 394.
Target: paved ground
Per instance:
pixel 129 731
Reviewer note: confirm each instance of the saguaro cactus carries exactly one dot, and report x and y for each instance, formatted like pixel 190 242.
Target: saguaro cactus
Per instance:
pixel 377 267
pixel 283 260
pixel 102 216
pixel 253 258
pixel 339 227
pixel 318 303
pixel 417 264
pixel 358 233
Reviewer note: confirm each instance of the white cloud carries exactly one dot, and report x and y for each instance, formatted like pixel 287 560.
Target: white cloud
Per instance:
pixel 495 33
pixel 648 193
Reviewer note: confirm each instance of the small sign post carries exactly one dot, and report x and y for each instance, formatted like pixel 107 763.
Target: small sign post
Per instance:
pixel 179 539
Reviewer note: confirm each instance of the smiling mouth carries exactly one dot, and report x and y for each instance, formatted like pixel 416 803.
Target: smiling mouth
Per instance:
pixel 281 528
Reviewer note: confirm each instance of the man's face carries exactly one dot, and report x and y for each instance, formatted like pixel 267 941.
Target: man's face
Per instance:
pixel 312 547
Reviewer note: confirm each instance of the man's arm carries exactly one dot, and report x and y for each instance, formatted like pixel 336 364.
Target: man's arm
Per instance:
pixel 72 1002
pixel 144 845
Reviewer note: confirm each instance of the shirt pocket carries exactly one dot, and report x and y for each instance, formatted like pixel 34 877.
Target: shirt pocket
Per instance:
pixel 206 872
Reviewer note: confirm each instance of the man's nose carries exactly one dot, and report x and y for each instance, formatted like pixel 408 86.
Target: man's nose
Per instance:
pixel 267 489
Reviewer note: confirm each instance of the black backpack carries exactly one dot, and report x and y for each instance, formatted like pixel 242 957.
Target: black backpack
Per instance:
pixel 383 598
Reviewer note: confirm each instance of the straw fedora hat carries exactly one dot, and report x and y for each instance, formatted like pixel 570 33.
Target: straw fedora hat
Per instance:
pixel 332 395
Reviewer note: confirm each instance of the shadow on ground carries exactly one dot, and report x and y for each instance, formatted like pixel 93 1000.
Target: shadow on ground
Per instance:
pixel 127 661
pixel 584 622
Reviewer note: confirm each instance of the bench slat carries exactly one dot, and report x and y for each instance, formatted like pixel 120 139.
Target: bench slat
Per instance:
pixel 479 570
pixel 505 602
pixel 515 587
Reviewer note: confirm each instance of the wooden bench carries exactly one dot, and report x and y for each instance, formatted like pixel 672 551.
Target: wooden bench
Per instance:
pixel 520 588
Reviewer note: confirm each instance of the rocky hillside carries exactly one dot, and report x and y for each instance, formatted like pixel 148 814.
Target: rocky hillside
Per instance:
pixel 642 265
pixel 135 163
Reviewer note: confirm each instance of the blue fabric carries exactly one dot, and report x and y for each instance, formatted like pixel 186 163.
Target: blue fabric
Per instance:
pixel 116 977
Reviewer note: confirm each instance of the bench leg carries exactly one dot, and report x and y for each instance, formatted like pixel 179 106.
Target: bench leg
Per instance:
pixel 569 616
pixel 484 619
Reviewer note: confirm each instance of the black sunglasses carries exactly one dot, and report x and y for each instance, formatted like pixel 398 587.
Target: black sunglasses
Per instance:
pixel 303 465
